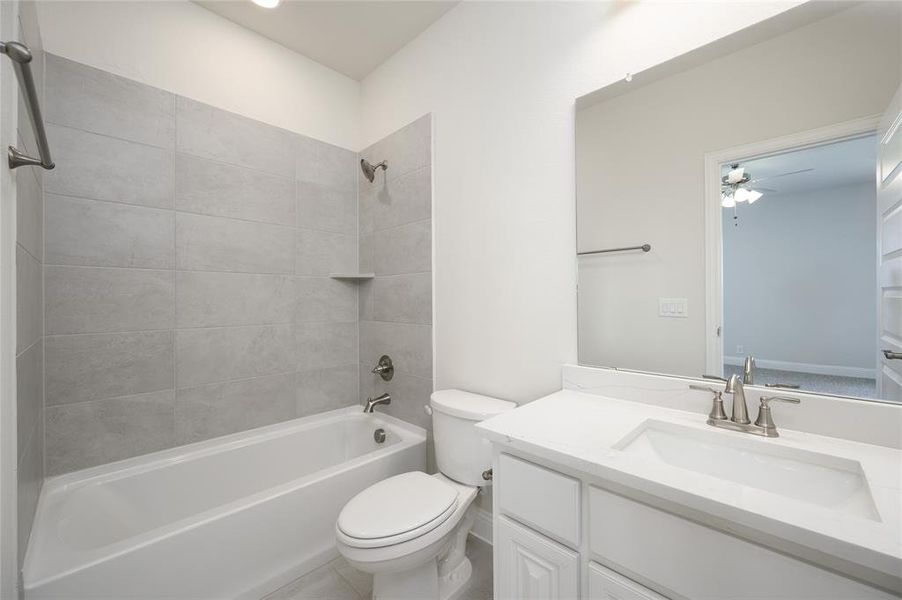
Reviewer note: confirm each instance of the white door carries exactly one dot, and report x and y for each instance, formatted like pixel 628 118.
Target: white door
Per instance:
pixel 889 252
pixel 532 567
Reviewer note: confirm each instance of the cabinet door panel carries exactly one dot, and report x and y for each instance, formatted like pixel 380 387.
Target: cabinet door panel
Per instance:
pixel 532 567
pixel 605 584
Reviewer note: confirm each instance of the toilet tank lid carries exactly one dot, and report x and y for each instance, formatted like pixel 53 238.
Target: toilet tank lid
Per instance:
pixel 465 405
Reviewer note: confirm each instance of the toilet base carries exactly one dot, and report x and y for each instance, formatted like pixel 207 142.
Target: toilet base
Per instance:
pixel 445 577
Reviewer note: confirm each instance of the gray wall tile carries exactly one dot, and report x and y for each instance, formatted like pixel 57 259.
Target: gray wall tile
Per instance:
pixel 325 164
pixel 365 301
pixel 212 410
pixel 403 249
pixel 320 207
pixel 327 389
pixel 407 199
pixel 406 150
pixel 409 395
pixel 80 96
pixel 409 345
pixel 29 300
pixel 403 298
pixel 321 299
pixel 324 252
pixel 108 234
pixel 94 366
pixel 219 244
pixel 30 476
pixel 220 299
pixel 97 300
pixel 222 354
pixel 104 168
pixel 366 254
pixel 29 393
pixel 209 132
pixel 30 212
pixel 224 190
pixel 91 433
pixel 321 345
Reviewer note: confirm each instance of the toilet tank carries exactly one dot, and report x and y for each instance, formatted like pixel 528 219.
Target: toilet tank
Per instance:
pixel 460 452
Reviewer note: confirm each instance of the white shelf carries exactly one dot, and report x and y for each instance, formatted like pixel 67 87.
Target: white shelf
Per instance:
pixel 352 276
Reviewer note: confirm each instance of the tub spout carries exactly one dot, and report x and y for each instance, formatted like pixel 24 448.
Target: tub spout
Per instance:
pixel 372 402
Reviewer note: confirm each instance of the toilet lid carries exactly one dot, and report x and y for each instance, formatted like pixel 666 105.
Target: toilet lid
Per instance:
pixel 411 503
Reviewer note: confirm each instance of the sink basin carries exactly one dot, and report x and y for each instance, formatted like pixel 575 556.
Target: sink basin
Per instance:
pixel 829 481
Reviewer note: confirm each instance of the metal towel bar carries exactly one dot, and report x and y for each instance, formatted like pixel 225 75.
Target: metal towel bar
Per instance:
pixel 21 57
pixel 643 248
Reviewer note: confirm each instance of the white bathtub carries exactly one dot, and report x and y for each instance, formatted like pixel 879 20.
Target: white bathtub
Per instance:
pixel 234 517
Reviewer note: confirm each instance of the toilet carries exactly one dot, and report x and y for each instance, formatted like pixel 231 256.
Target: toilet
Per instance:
pixel 410 530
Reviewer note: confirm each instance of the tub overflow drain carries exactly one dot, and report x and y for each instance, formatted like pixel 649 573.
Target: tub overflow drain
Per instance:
pixel 379 435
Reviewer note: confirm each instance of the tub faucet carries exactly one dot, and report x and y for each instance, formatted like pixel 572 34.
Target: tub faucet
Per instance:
pixel 372 402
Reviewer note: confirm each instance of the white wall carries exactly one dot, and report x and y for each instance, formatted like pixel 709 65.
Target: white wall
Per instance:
pixel 641 171
pixel 501 80
pixel 183 48
pixel 800 280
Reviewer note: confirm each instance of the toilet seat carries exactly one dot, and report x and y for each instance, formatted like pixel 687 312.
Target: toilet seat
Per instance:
pixel 395 510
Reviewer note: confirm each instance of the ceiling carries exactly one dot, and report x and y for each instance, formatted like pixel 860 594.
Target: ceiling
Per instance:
pixel 353 37
pixel 835 164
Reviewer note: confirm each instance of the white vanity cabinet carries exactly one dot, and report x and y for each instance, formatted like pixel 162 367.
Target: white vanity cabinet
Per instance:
pixel 562 534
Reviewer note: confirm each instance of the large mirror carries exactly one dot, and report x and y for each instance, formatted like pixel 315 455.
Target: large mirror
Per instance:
pixel 745 200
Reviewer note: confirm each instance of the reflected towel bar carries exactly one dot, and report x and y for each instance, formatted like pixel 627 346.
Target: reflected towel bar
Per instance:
pixel 643 248
pixel 21 57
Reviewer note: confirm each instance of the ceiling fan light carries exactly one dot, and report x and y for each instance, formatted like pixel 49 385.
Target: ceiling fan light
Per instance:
pixel 267 3
pixel 742 195
pixel 753 195
pixel 727 201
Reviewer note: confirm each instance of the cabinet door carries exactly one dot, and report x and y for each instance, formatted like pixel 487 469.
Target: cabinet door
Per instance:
pixel 532 567
pixel 605 584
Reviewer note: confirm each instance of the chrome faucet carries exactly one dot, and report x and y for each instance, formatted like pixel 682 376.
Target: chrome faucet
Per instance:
pixel 371 403
pixel 748 370
pixel 739 420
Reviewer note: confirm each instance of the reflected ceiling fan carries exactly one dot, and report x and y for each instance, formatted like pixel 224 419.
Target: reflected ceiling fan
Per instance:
pixel 738 186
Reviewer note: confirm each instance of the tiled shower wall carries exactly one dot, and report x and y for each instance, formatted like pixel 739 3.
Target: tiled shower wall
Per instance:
pixel 29 292
pixel 187 255
pixel 396 244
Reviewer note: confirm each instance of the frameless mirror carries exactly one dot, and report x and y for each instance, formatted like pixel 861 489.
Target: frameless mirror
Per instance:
pixel 745 200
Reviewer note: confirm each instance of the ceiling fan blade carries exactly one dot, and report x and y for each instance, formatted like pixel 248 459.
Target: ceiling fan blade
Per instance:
pixel 768 190
pixel 780 175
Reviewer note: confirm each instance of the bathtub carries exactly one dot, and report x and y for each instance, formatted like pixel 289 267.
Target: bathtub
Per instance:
pixel 230 518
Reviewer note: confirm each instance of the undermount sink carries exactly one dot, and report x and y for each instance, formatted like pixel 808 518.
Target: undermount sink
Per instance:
pixel 829 481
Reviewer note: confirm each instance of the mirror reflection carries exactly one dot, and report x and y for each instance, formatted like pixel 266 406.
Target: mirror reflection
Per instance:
pixel 738 210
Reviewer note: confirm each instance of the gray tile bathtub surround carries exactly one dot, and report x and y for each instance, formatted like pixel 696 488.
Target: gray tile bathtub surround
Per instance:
pixel 85 434
pixel 29 394
pixel 321 345
pixel 405 199
pixel 320 390
pixel 403 298
pixel 30 212
pixel 97 300
pixel 222 408
pixel 326 209
pixel 94 100
pixel 108 234
pixel 395 308
pixel 105 168
pixel 209 132
pixel 226 353
pixel 95 366
pixel 219 189
pixel 29 299
pixel 325 164
pixel 205 299
pixel 321 299
pixel 219 244
pixel 324 252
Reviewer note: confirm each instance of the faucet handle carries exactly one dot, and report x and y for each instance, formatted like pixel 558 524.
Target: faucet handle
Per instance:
pixel 765 420
pixel 717 412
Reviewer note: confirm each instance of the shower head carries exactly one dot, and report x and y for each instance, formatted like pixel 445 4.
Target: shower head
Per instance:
pixel 369 171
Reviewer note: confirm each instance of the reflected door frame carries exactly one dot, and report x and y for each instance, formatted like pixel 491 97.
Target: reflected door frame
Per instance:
pixel 714 221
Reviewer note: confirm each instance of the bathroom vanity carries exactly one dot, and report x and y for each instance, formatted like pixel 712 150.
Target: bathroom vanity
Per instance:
pixel 616 487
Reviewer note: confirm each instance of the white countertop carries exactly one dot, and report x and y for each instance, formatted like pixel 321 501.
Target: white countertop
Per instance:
pixel 578 430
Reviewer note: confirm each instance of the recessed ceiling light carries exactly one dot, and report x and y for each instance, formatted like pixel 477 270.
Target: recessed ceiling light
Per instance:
pixel 267 3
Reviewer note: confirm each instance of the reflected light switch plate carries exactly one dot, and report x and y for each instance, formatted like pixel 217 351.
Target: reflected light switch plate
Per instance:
pixel 673 308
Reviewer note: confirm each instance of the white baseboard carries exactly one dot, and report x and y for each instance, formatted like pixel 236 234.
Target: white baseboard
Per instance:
pixel 781 365
pixel 482 525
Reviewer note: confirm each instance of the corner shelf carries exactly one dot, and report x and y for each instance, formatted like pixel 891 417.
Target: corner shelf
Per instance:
pixel 352 276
